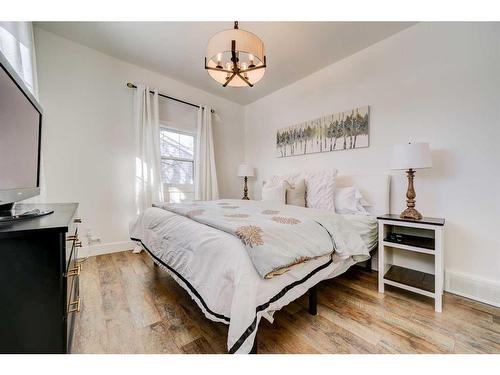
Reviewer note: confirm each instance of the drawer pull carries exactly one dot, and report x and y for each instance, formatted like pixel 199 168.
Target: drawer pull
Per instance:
pixel 74 306
pixel 72 237
pixel 77 220
pixel 78 243
pixel 80 264
pixel 75 271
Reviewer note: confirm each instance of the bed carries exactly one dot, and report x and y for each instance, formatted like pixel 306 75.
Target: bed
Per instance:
pixel 221 275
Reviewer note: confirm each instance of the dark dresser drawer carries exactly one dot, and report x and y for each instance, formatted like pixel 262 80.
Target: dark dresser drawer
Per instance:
pixel 35 281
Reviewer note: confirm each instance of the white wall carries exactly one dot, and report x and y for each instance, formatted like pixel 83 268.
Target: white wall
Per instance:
pixel 434 82
pixel 87 137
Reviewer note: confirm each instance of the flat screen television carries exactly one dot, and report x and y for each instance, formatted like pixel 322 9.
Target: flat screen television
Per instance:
pixel 20 142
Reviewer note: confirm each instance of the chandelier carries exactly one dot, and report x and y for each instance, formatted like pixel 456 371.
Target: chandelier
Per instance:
pixel 235 58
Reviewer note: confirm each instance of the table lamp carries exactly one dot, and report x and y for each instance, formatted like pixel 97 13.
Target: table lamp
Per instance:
pixel 411 156
pixel 245 171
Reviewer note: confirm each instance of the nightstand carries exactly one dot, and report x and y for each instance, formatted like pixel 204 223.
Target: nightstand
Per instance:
pixel 425 236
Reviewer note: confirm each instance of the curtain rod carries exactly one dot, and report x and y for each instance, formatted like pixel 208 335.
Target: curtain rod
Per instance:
pixel 132 86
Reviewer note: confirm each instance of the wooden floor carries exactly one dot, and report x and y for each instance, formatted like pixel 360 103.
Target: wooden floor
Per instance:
pixel 129 306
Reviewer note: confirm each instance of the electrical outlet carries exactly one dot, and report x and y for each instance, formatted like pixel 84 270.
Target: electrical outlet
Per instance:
pixel 92 239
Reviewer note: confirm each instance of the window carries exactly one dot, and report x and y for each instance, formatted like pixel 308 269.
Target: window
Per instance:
pixel 177 164
pixel 15 48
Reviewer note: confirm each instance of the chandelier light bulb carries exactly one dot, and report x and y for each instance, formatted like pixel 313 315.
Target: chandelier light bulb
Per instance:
pixel 250 58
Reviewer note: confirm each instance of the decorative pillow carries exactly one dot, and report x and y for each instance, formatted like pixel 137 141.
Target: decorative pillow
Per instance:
pixel 296 193
pixel 275 193
pixel 361 202
pixel 348 200
pixel 320 186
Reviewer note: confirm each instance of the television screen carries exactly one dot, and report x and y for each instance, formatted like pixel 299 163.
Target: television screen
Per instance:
pixel 19 136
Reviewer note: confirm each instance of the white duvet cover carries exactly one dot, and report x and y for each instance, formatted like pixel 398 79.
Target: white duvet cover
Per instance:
pixel 277 237
pixel 215 269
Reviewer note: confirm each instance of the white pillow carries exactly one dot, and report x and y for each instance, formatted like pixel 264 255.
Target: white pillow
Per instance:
pixel 275 193
pixel 320 187
pixel 349 200
pixel 296 193
pixel 361 201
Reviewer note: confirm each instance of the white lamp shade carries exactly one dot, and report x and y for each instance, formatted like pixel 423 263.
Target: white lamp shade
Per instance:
pixel 245 42
pixel 244 170
pixel 411 156
pixel 250 50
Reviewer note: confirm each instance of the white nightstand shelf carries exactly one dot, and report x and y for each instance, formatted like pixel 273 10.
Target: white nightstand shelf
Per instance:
pixel 424 237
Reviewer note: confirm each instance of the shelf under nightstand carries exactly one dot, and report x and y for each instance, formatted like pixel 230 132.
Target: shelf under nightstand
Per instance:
pixel 426 238
pixel 406 277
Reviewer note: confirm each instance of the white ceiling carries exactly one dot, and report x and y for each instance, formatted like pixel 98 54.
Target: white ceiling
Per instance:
pixel 176 49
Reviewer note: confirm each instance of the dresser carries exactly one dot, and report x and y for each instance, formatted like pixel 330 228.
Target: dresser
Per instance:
pixel 39 280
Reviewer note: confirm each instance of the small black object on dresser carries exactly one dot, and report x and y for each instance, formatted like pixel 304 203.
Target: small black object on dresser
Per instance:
pixel 39 286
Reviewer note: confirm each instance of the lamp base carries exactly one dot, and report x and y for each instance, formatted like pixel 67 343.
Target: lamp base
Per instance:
pixel 245 191
pixel 411 213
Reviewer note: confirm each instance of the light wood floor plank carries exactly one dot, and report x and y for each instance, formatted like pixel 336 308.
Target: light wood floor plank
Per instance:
pixel 139 299
pixel 90 334
pixel 130 306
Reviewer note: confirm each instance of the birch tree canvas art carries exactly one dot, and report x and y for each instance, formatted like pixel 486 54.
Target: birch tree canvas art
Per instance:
pixel 340 131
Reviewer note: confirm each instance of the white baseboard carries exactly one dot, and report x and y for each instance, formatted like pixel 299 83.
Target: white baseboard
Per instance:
pixel 473 287
pixel 106 248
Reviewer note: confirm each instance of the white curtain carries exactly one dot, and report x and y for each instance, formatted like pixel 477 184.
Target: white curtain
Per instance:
pixel 148 186
pixel 205 174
